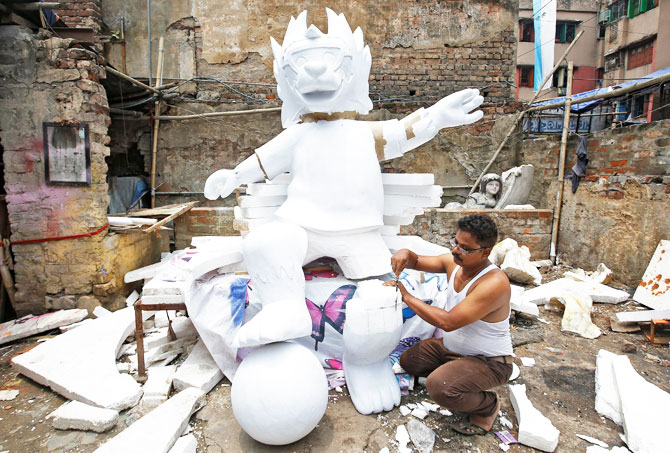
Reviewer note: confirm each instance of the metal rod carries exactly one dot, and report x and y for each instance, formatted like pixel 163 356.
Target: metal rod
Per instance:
pixel 149 38
pixel 520 114
pixel 159 77
pixel 131 80
pixel 561 167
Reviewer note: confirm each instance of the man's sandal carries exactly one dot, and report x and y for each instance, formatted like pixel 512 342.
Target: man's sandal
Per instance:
pixel 468 429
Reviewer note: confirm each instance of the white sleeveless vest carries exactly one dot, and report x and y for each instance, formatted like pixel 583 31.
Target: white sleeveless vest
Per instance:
pixel 490 339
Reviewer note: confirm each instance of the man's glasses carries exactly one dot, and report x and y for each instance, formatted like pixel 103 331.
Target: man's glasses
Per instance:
pixel 454 244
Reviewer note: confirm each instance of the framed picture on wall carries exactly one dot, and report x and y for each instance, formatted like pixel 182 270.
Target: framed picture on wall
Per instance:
pixel 67 154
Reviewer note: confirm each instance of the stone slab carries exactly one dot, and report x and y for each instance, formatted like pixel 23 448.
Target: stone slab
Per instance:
pixel 32 325
pixel 654 289
pixel 82 416
pixel 81 364
pixel 198 370
pixel 158 430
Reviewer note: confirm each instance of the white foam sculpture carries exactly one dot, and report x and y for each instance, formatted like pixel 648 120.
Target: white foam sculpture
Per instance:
pixel 335 200
pixel 279 393
pixel 373 328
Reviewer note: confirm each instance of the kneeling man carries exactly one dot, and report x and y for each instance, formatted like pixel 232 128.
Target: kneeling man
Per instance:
pixel 475 353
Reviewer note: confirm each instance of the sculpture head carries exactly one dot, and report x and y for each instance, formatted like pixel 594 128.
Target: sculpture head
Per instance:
pixel 319 72
pixel 491 185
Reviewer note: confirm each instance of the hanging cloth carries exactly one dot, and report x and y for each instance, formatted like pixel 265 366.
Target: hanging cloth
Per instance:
pixel 579 169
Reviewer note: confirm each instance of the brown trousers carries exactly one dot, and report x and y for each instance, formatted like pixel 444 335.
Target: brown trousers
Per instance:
pixel 459 383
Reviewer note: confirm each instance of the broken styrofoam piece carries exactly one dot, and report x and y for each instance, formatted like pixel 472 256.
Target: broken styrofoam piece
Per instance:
pixel 130 221
pixel 642 406
pixel 158 430
pixel 198 370
pixel 535 430
pixel 81 364
pixel 420 413
pixel 516 371
pixel 421 436
pixel 157 387
pixel 163 299
pixel 82 416
pixel 185 444
pixel 428 191
pixel 576 314
pixel 408 179
pixel 599 449
pixel 162 318
pixel 267 190
pixel 8 395
pixel 607 401
pixel 206 259
pixel 527 361
pixel 64 329
pixel 643 316
pixel 602 274
pixel 593 440
pixel 402 437
pixel 165 350
pixel 517 303
pixel 404 410
pixel 32 325
pixel 623 327
pixel 506 422
pixel 654 289
pixel 99 312
pixel 517 266
pixel 430 407
pixel 597 292
pixel 158 286
pixel 498 252
pixel 132 298
pixel 145 272
pixel 414 243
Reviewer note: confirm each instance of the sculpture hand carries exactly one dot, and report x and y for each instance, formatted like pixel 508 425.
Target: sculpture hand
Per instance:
pixel 454 109
pixel 220 184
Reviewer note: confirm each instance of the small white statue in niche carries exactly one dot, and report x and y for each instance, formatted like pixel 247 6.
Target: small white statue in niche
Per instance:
pixel 335 199
pixel 490 191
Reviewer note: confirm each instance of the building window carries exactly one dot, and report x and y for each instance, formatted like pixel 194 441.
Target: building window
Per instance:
pixel 636 7
pixel 560 80
pixel 565 31
pixel 612 62
pixel 525 76
pixel 526 31
pixel 639 106
pixel 618 9
pixel 640 55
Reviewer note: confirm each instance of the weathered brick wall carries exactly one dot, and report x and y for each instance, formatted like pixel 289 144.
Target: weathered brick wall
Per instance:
pixel 53 80
pixel 203 222
pixel 81 14
pixel 531 228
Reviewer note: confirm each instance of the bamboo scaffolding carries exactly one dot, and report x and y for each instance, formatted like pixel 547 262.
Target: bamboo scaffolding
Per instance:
pixel 159 81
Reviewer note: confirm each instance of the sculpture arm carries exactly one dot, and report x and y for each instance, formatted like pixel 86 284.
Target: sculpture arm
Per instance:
pixel 268 161
pixel 401 136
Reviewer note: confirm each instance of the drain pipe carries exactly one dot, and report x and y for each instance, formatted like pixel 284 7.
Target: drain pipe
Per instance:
pixel 553 256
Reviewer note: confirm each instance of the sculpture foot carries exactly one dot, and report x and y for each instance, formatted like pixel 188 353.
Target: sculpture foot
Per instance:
pixel 279 321
pixel 373 387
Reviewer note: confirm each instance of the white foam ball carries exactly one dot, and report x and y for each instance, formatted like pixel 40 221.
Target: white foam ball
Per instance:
pixel 279 393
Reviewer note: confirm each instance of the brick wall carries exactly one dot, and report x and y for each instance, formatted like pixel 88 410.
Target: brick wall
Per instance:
pixel 52 80
pixel 203 222
pixel 531 228
pixel 81 14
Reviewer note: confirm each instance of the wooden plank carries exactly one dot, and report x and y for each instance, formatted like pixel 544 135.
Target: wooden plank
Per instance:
pixel 187 207
pixel 161 210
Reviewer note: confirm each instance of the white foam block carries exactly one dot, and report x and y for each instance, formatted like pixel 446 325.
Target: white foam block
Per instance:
pixel 408 179
pixel 269 190
pixel 654 289
pixel 159 429
pixel 261 201
pixel 643 316
pixel 644 408
pixel 145 272
pixel 82 416
pixel 99 312
pixel 198 370
pixel 159 382
pixel 597 292
pixel 421 191
pixel 81 364
pixel 607 398
pixel 32 325
pixel 159 286
pixel 519 304
pixel 535 430
pixel 185 444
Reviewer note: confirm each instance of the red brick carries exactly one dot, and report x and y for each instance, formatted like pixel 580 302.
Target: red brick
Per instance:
pixel 618 163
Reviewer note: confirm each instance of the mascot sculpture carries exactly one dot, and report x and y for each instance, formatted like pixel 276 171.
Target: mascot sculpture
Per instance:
pixel 335 201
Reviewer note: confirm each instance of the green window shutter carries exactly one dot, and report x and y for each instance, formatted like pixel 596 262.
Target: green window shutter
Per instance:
pixel 643 6
pixel 631 8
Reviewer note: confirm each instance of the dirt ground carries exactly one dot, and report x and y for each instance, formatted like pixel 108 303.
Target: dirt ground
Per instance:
pixel 561 385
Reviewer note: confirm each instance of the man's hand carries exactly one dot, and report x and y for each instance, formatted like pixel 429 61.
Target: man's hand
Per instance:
pixel 403 291
pixel 221 183
pixel 401 260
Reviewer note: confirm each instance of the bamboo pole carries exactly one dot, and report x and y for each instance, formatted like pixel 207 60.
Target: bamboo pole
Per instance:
pixel 610 94
pixel 561 167
pixel 159 81
pixel 520 114
pixel 131 80
pixel 214 114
